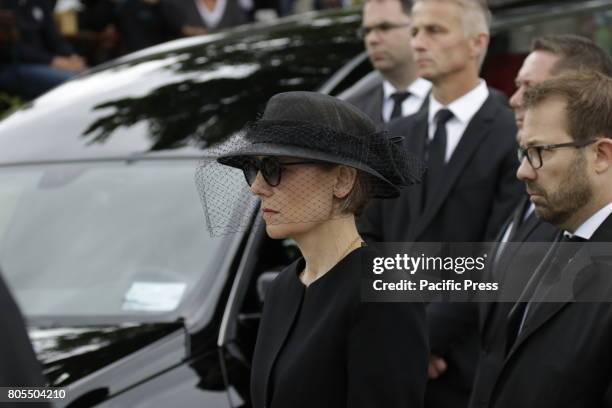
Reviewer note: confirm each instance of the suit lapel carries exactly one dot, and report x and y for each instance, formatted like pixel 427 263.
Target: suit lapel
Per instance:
pixel 414 130
pixel 506 258
pixel 374 105
pixel 526 228
pixel 486 307
pixel 519 235
pixel 540 310
pixel 477 129
pixel 416 144
pixel 561 288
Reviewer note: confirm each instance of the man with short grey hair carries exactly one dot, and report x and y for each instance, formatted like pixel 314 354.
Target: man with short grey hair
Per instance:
pixel 467 138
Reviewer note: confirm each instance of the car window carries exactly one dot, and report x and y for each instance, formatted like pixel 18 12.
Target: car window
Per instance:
pixel 105 239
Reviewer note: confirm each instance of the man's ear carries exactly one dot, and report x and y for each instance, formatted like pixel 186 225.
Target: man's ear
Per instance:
pixel 603 155
pixel 345 179
pixel 479 43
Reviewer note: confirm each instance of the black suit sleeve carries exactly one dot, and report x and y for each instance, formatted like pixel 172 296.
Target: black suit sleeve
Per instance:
pixel 509 189
pixel 442 337
pixel 19 365
pixel 607 398
pixel 387 356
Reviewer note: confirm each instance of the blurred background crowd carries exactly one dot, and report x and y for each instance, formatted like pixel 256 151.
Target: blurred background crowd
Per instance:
pixel 45 42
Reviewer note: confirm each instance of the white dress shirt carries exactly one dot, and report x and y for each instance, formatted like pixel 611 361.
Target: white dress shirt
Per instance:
pixel 588 228
pixel 463 108
pixel 418 90
pixel 213 17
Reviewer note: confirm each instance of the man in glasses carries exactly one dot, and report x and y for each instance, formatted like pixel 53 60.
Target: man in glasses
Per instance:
pixel 385 30
pixel 550 56
pixel 559 349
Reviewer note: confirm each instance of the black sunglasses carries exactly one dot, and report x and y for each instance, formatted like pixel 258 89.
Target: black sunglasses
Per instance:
pixel 270 168
pixel 382 28
pixel 534 153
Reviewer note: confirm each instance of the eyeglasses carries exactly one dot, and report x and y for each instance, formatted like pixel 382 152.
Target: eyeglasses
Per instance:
pixel 382 28
pixel 270 168
pixel 534 153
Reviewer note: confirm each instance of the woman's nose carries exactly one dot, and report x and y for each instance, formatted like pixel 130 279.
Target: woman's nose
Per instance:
pixel 260 187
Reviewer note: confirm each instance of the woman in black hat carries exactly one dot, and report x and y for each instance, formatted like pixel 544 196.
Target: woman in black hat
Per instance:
pixel 314 161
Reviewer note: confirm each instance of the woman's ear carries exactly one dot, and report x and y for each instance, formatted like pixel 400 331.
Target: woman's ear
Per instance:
pixel 345 180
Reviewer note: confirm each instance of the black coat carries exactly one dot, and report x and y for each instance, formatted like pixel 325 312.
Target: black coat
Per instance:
pixel 477 195
pixel 19 366
pixel 562 357
pixel 323 347
pixel 493 317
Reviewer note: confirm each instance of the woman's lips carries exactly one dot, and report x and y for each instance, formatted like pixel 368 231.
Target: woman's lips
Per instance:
pixel 267 213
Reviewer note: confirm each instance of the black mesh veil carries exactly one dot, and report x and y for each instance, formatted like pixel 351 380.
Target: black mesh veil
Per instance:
pixel 298 142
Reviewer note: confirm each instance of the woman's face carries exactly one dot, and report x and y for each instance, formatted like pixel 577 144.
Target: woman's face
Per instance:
pixel 303 199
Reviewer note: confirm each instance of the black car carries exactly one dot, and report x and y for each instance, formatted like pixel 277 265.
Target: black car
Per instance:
pixel 130 302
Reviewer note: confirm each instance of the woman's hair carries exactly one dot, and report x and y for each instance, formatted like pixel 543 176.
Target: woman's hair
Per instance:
pixel 361 192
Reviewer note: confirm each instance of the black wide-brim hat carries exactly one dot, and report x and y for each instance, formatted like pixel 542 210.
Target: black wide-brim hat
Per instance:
pixel 314 126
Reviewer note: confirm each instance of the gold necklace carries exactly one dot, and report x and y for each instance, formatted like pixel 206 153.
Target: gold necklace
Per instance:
pixel 348 248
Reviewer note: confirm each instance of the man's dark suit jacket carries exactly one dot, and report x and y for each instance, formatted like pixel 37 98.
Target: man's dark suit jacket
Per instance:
pixel 478 193
pixel 493 317
pixel 370 102
pixel 18 364
pixel 562 357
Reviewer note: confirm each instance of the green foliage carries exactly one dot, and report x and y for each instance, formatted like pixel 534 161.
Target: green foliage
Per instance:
pixel 8 103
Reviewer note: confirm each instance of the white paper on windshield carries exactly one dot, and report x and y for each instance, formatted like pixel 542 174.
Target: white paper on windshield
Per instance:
pixel 153 296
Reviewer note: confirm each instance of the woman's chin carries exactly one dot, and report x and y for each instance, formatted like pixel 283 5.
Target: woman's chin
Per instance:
pixel 288 230
pixel 277 231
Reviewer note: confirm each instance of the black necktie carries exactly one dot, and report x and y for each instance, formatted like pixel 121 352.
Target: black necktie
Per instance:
pixel 436 154
pixel 558 257
pixel 398 99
